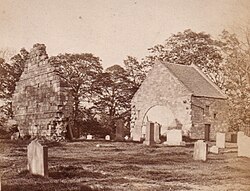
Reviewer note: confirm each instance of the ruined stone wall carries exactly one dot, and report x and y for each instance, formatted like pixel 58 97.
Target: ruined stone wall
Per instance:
pixel 208 111
pixel 40 101
pixel 161 88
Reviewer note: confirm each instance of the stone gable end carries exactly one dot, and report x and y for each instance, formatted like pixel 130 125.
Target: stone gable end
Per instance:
pixel 161 88
pixel 40 98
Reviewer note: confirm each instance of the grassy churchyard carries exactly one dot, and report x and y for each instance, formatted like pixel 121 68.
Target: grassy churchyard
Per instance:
pixel 100 165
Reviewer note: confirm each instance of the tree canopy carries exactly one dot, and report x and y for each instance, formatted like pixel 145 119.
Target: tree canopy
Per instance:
pixel 188 48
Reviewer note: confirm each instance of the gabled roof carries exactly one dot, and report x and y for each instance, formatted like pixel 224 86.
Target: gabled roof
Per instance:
pixel 195 81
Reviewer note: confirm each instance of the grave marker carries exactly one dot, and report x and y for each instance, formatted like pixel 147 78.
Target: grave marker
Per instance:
pixel 220 140
pixel 157 131
pixel 214 149
pixel 89 137
pixel 149 139
pixel 107 138
pixel 200 150
pixel 174 137
pixel 119 131
pixel 243 145
pixel 37 158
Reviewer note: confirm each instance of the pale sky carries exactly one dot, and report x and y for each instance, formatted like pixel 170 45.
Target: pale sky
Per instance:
pixel 112 29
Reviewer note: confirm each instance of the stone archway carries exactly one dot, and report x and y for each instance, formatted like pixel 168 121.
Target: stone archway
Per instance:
pixel 163 115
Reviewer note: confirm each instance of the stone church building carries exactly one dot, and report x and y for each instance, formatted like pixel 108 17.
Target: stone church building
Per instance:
pixel 41 103
pixel 179 97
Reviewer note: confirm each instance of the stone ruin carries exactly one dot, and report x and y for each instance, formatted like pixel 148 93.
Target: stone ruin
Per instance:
pixel 42 104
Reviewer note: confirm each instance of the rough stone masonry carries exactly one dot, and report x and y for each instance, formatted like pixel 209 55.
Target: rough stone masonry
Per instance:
pixel 42 104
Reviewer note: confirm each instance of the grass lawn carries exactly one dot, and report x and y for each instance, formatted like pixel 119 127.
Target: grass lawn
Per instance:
pixel 123 166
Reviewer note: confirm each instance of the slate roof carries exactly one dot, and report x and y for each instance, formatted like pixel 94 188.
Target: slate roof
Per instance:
pixel 195 81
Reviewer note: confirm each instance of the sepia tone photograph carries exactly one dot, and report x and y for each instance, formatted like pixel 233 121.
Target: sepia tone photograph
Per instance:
pixel 125 95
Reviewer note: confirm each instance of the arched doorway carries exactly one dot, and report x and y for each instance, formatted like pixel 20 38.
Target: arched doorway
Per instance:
pixel 163 115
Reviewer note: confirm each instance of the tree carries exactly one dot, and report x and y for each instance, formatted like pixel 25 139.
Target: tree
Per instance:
pixel 113 95
pixel 237 79
pixel 77 71
pixel 136 71
pixel 189 47
pixel 10 74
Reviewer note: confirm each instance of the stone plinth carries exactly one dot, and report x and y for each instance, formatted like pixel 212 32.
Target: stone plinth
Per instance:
pixel 220 140
pixel 37 159
pixel 149 139
pixel 200 150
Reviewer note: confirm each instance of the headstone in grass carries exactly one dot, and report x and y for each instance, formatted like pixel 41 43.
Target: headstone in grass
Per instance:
pixel 214 149
pixel 157 130
pixel 174 137
pixel 220 140
pixel 149 139
pixel 243 145
pixel 89 137
pixel 200 150
pixel 240 134
pixel 107 137
pixel 37 158
pixel 119 130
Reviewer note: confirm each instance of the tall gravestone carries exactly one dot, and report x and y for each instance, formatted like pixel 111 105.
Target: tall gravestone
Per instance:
pixel 119 131
pixel 240 134
pixel 220 140
pixel 149 139
pixel 157 130
pixel 200 150
pixel 37 158
pixel 243 145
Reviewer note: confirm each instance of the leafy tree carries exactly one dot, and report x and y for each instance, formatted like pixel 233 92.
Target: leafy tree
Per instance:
pixel 113 95
pixel 237 78
pixel 189 47
pixel 77 71
pixel 10 74
pixel 136 71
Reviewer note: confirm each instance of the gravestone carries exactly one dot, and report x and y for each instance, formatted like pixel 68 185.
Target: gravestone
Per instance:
pixel 37 158
pixel 214 149
pixel 126 137
pixel 89 137
pixel 243 145
pixel 107 137
pixel 220 140
pixel 239 135
pixel 157 131
pixel 119 131
pixel 200 150
pixel 149 138
pixel 174 137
